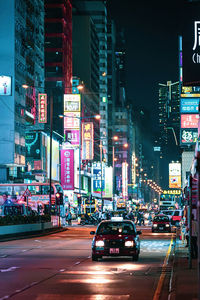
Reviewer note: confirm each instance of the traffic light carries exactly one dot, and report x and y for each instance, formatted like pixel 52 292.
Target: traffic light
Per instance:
pixel 79 199
pixel 59 198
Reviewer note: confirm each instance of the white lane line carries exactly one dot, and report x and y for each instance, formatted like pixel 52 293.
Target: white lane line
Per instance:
pixel 62 270
pixel 9 269
pixel 77 263
pixel 5 297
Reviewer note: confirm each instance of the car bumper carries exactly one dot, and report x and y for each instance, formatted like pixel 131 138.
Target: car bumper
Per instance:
pixel 121 252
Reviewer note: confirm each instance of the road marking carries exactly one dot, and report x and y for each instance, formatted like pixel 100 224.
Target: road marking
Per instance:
pixel 162 276
pixel 77 263
pixel 9 269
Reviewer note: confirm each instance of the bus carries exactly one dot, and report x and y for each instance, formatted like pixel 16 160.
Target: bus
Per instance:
pixel 32 195
pixel 169 199
pixel 90 206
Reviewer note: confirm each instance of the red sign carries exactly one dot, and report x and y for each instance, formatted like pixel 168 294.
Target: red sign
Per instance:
pixel 189 121
pixel 42 108
pixel 67 169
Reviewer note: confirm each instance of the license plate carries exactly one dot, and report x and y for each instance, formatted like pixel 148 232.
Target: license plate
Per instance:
pixel 114 250
pixel 161 228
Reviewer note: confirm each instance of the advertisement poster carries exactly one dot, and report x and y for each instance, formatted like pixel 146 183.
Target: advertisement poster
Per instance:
pixel 67 169
pixel 72 136
pixel 55 159
pixel 189 136
pixel 108 182
pixel 5 86
pixel 32 142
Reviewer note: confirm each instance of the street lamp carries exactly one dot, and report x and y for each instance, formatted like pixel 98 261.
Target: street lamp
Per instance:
pixel 97 117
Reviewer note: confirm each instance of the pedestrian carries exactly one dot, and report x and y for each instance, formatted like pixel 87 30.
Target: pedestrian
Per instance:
pixel 69 218
pixel 194 247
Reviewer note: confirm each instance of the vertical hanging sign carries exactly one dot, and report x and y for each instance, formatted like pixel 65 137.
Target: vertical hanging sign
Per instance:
pixel 67 169
pixel 42 108
pixel 88 141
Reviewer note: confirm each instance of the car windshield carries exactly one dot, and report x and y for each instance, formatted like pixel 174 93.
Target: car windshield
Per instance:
pixel 168 212
pixel 116 228
pixel 161 219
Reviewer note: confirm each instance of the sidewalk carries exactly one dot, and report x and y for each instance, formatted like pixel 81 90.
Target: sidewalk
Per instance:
pixel 184 282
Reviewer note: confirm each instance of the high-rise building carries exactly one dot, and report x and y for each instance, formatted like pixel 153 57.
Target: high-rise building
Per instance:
pixel 58 54
pixel 98 12
pixel 22 60
pixel 169 125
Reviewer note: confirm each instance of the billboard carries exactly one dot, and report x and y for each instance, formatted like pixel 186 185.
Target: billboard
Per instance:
pixel 87 141
pixel 71 120
pixel 72 102
pixel 42 108
pixel 191 46
pixel 189 120
pixel 72 136
pixel 108 182
pixel 125 180
pixel 175 175
pixel 32 143
pixel 67 169
pixel 189 105
pixel 5 86
pixel 97 179
pixel 189 136
pixel 55 159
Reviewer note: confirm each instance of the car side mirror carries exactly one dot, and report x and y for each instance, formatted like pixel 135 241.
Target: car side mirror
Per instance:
pixel 92 232
pixel 139 232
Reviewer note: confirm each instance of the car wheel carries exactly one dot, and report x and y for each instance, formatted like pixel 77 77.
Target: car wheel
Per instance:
pixel 135 257
pixel 95 258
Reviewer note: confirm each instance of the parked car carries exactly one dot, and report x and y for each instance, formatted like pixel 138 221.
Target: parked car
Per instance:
pixel 161 223
pixel 116 237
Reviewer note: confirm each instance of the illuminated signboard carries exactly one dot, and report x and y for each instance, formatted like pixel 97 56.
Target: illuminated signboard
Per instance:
pixel 189 136
pixel 71 120
pixel 55 172
pixel 172 192
pixel 189 105
pixel 174 175
pixel 67 169
pixel 191 46
pixel 5 86
pixel 98 178
pixel 32 143
pixel 87 141
pixel 189 120
pixel 72 136
pixel 124 179
pixel 42 108
pixel 72 102
pixel 108 182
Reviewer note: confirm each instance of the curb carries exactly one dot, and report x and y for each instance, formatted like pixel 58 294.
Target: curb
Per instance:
pixel 172 281
pixel 29 235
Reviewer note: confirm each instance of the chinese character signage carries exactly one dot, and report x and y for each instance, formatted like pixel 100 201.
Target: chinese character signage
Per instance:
pixel 189 120
pixel 72 136
pixel 189 105
pixel 67 169
pixel 71 120
pixel 87 141
pixel 191 46
pixel 98 179
pixel 189 136
pixel 5 86
pixel 174 175
pixel 42 108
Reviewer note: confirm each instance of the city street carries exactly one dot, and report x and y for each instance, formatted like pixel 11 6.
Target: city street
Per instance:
pixel 59 266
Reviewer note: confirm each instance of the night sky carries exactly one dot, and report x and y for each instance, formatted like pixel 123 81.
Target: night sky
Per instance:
pixel 151 30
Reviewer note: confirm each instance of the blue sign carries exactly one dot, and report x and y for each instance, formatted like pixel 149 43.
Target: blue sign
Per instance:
pixel 98 179
pixel 189 105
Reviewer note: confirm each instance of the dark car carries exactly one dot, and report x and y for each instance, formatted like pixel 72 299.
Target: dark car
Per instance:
pixel 116 238
pixel 161 223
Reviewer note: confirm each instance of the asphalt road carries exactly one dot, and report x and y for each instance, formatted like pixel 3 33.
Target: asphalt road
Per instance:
pixel 59 266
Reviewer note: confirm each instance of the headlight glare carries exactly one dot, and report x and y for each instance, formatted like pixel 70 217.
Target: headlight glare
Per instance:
pixel 129 243
pixel 167 225
pixel 155 225
pixel 99 244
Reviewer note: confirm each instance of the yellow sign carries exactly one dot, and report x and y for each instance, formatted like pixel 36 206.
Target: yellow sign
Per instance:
pixel 172 192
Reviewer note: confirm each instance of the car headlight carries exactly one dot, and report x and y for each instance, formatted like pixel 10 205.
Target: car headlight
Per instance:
pixel 129 243
pixel 99 244
pixel 155 225
pixel 167 225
